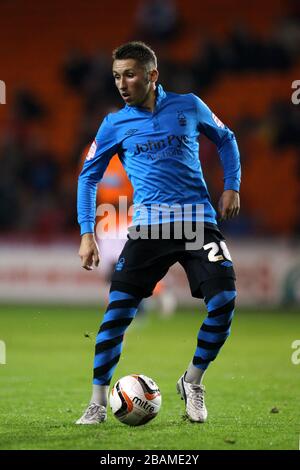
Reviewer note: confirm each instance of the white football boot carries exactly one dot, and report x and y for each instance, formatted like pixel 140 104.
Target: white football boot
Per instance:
pixel 94 414
pixel 193 395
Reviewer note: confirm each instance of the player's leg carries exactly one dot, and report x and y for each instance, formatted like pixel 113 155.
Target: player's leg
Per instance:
pixel 137 271
pixel 119 314
pixel 211 276
pixel 211 337
pixel 214 330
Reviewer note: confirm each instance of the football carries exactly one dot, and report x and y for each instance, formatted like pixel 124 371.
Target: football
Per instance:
pixel 135 399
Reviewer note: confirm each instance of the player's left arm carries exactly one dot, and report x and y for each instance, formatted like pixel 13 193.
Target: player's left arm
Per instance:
pixel 211 126
pixel 229 204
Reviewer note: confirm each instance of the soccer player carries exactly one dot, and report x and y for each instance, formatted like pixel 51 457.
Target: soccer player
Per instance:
pixel 156 137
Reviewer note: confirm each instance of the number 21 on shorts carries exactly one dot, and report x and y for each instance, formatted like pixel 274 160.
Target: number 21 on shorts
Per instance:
pixel 214 251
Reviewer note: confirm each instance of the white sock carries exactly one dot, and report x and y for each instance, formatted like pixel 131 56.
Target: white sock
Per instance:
pixel 100 394
pixel 194 375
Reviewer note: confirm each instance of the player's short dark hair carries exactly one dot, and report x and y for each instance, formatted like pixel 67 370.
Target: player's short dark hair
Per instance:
pixel 138 51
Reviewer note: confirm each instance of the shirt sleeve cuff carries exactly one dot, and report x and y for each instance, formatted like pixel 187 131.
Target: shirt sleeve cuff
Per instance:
pixel 232 183
pixel 87 227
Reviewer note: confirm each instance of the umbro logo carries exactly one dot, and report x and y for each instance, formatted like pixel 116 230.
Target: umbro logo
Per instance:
pixel 131 132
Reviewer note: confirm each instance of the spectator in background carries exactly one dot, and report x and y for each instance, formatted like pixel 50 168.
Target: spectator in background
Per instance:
pixel 27 106
pixel 157 21
pixel 76 69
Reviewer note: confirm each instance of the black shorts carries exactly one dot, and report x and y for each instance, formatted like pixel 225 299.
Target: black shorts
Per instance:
pixel 144 262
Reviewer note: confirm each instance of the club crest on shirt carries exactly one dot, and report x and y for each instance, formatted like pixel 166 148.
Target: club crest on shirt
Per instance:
pixel 92 151
pixel 217 121
pixel 181 118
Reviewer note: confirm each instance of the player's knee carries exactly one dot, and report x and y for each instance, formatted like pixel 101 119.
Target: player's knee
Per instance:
pixel 221 299
pixel 221 304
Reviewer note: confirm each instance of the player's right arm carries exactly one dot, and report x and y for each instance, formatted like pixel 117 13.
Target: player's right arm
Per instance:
pixel 97 159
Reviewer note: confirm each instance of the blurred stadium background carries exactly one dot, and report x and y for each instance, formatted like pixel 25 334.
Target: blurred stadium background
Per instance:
pixel 241 57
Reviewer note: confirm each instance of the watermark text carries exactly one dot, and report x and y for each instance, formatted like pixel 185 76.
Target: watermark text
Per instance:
pixel 296 94
pixel 2 352
pixel 295 358
pixel 2 92
pixel 154 221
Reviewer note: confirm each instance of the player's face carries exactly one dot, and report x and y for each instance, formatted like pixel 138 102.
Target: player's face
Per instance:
pixel 133 81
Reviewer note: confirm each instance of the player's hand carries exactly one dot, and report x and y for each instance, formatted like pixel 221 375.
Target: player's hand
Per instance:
pixel 229 204
pixel 89 252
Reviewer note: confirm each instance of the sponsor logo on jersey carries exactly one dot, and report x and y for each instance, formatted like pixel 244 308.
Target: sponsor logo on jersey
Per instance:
pixel 174 141
pixel 92 151
pixel 217 121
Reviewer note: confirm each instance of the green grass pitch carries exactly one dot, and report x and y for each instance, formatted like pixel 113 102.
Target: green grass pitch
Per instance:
pixel 252 388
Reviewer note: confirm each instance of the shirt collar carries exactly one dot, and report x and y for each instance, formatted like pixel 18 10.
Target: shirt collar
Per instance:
pixel 160 95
